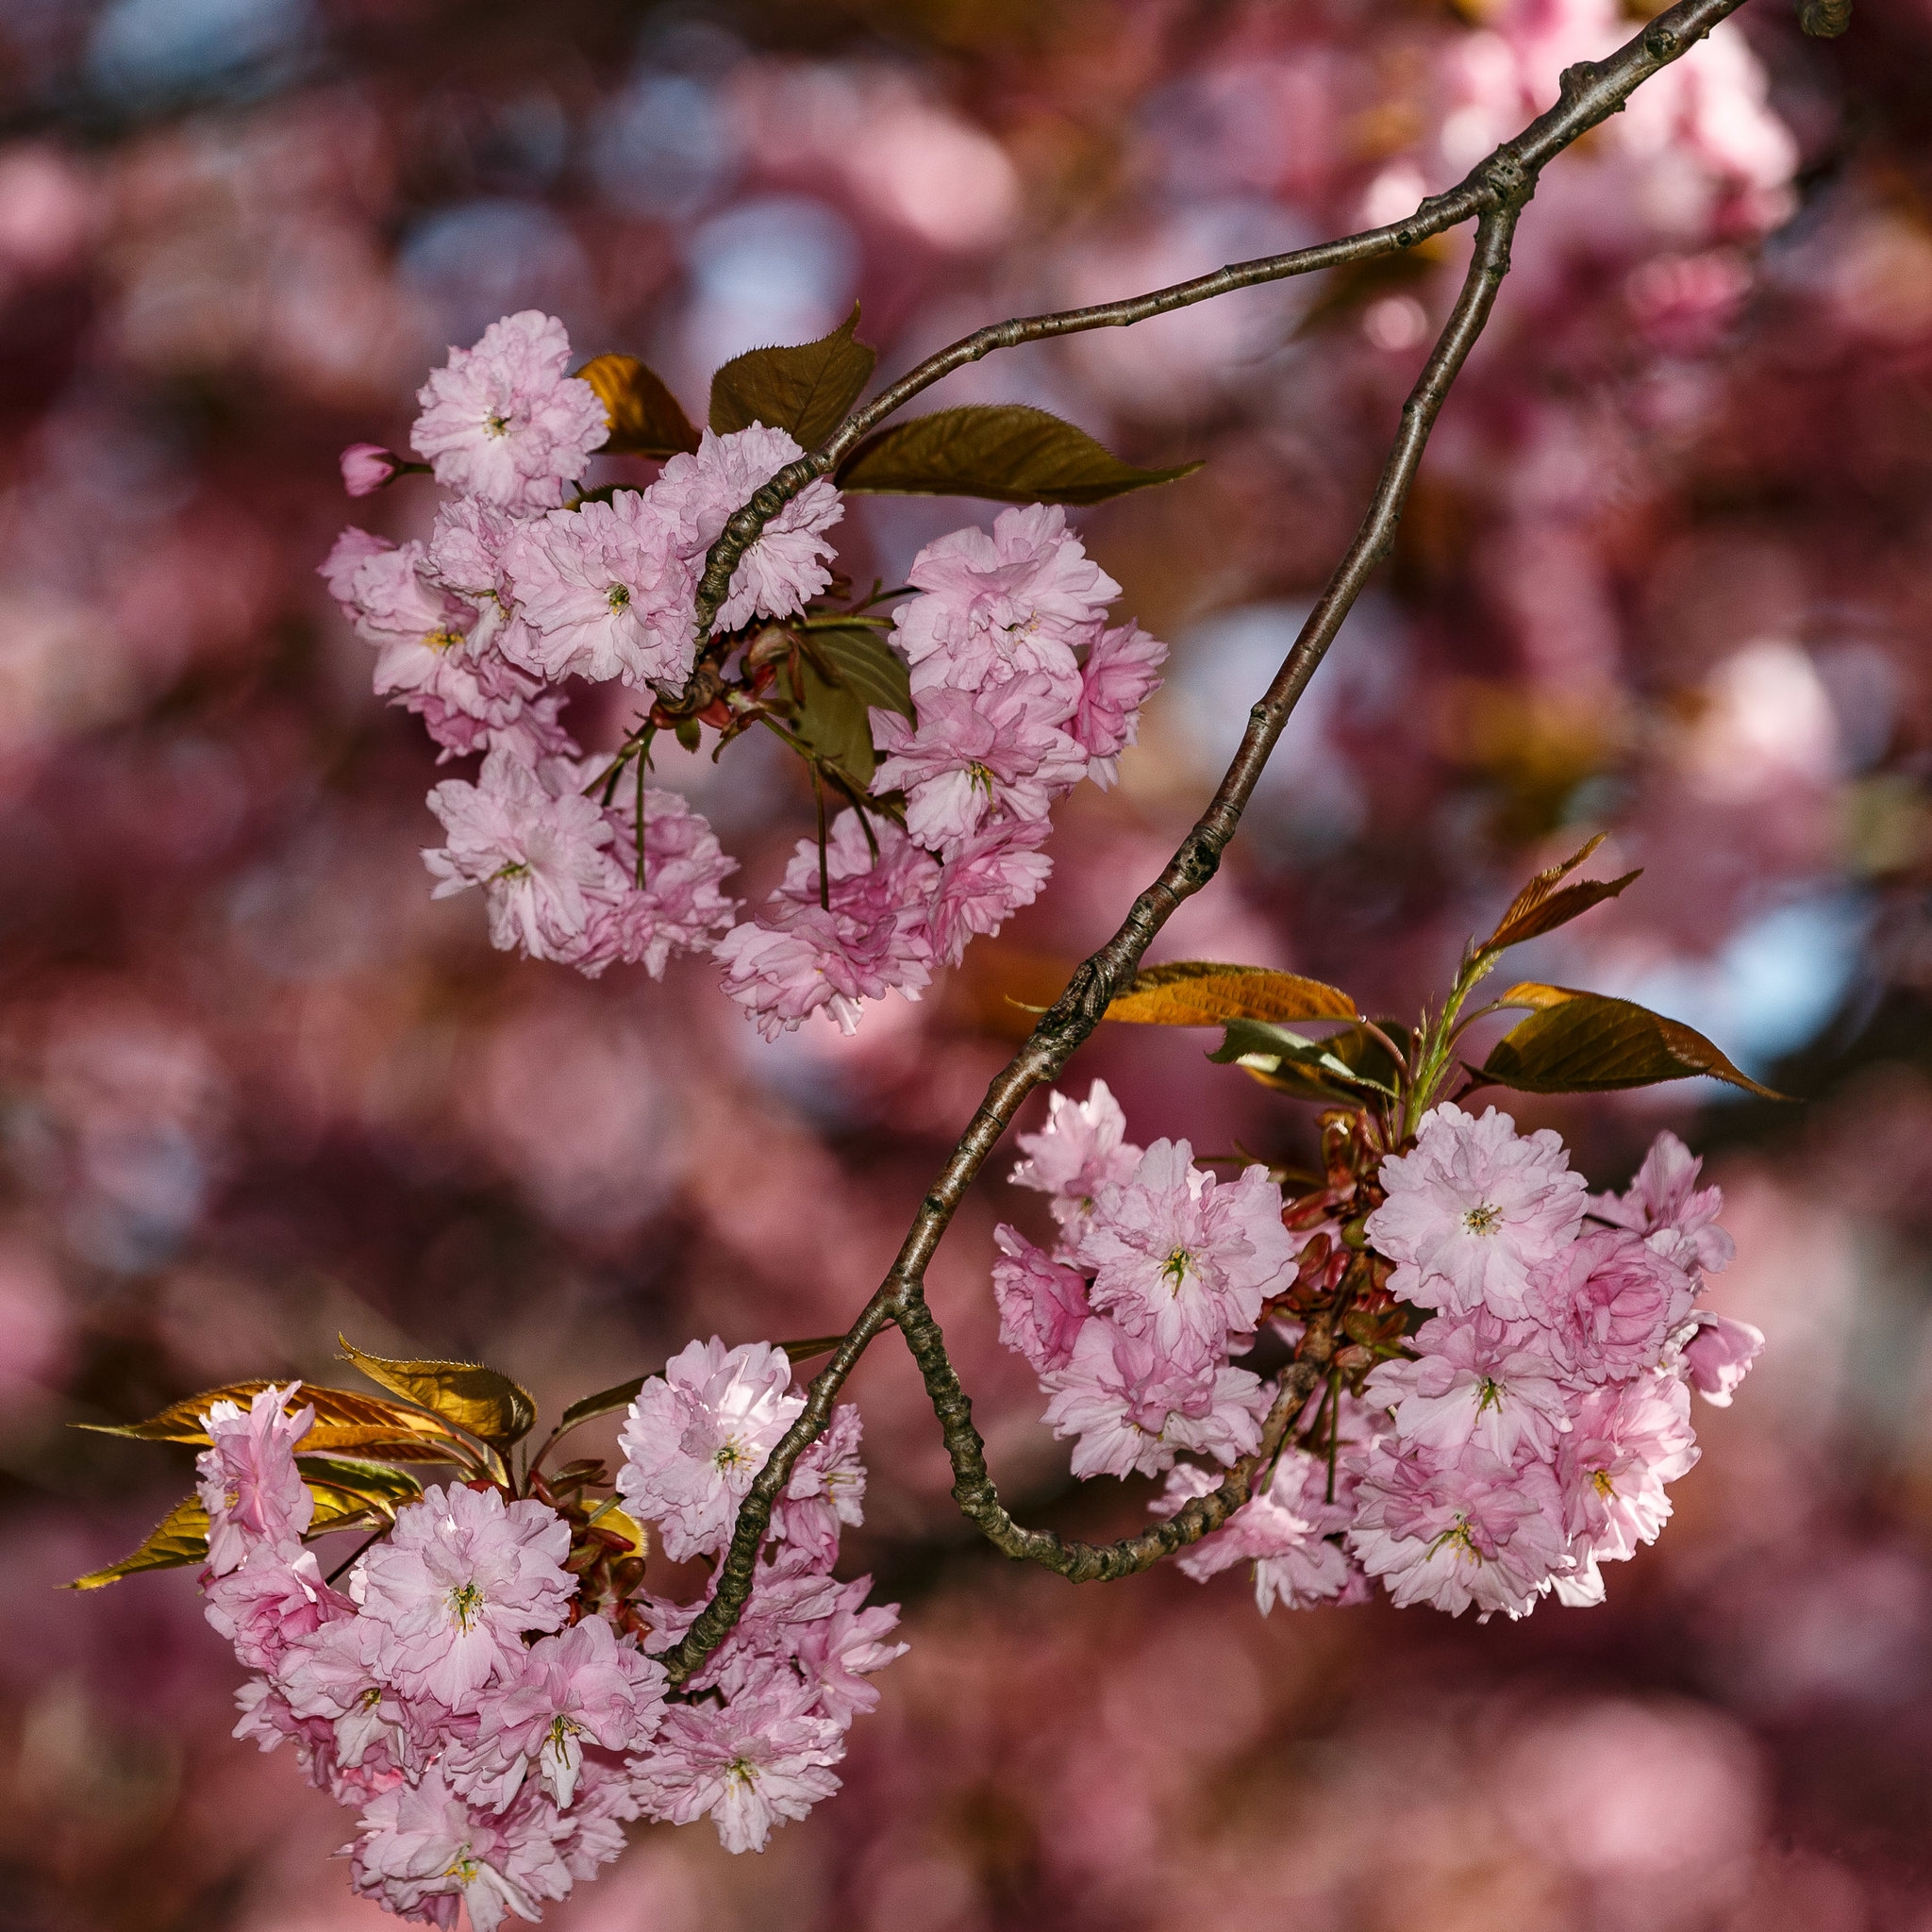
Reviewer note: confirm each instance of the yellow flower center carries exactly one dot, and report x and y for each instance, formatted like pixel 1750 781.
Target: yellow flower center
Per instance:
pixel 465 1602
pixel 1483 1219
pixel 1176 1268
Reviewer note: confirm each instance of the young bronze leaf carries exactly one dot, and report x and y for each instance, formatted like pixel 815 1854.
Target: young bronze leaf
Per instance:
pixel 487 1405
pixel 1009 452
pixel 646 420
pixel 345 1418
pixel 806 390
pixel 180 1537
pixel 1540 907
pixel 1199 993
pixel 1340 1067
pixel 1588 1042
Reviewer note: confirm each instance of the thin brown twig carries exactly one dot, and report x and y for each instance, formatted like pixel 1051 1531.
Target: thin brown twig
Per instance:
pixel 1496 192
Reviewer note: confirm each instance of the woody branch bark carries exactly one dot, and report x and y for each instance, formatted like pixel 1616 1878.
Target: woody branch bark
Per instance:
pixel 1495 193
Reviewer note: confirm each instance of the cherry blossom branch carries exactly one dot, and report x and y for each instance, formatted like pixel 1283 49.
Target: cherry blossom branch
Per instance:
pixel 1589 93
pixel 1496 192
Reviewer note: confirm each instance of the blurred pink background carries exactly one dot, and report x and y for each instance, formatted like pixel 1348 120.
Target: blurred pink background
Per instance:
pixel 1666 573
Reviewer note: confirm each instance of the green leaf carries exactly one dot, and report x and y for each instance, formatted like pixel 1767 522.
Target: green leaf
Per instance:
pixel 806 391
pixel 1540 907
pixel 646 420
pixel 345 1418
pixel 1009 452
pixel 1588 1042
pixel 486 1403
pixel 858 657
pixel 338 1482
pixel 587 1407
pixel 1340 1067
pixel 180 1537
pixel 1200 992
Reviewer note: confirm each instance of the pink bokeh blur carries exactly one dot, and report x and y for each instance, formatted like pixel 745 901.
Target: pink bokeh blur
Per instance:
pixel 1667 572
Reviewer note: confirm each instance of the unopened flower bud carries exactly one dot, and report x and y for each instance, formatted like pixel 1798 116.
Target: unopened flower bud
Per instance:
pixel 366 467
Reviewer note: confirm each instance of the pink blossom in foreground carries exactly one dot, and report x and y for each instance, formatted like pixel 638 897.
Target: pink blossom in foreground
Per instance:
pixel 764 1758
pixel 1119 677
pixel 679 907
pixel 1476 1380
pixel 503 421
pixel 698 1434
pixel 975 756
pixel 335 1675
pixel 420 1850
pixel 1042 1302
pixel 786 566
pixel 1082 1149
pixel 537 854
pixel 1719 1357
pixel 366 467
pixel 838 1654
pixel 1273 1530
pixel 1453 1533
pixel 796 956
pixel 603 592
pixel 1608 1302
pixel 1665 1198
pixel 1003 604
pixel 1472 1209
pixel 1133 1412
pixel 1180 1257
pixel 582 1682
pixel 272 1598
pixel 983 880
pixel 247 1479
pixel 1626 1442
pixel 826 1491
pixel 457 1584
pixel 267 1723
pixel 434 653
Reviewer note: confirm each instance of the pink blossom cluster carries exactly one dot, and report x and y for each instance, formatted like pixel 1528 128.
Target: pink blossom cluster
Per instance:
pixel 1020 686
pixel 1523 1439
pixel 1021 690
pixel 494 1733
pixel 1157 1279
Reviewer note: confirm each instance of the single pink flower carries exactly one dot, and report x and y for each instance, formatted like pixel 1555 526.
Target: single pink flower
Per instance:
pixel 786 566
pixel 1042 1302
pixel 975 755
pixel 457 1585
pixel 1133 1410
pixel 983 880
pixel 334 1676
pixel 1082 1150
pixel 1719 1357
pixel 603 592
pixel 679 909
pixel 1181 1258
pixel 766 1757
pixel 503 421
pixel 1476 1380
pixel 1665 1198
pixel 1628 1439
pixel 837 1654
pixel 538 853
pixel 1117 679
pixel 698 1434
pixel 1293 1562
pixel 584 1683
pixel 272 1598
pixel 1457 1531
pixel 1472 1209
pixel 1608 1304
pixel 248 1481
pixel 1004 604
pixel 796 956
